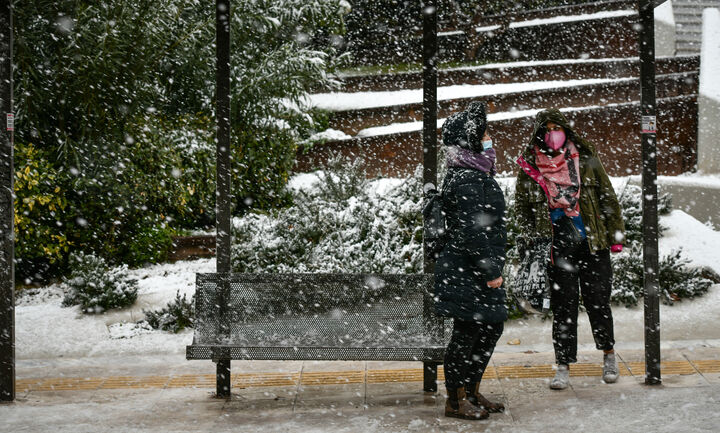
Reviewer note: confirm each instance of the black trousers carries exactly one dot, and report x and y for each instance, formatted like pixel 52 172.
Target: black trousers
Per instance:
pixel 574 265
pixel 471 346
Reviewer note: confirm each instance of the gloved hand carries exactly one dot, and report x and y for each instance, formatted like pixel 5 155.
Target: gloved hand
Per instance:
pixel 617 248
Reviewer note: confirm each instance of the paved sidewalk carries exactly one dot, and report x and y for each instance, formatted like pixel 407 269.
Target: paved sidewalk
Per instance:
pixel 169 394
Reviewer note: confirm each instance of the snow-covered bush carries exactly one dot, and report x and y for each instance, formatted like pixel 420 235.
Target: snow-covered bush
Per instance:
pixel 97 288
pixel 345 223
pixel 677 280
pixel 177 315
pixel 342 225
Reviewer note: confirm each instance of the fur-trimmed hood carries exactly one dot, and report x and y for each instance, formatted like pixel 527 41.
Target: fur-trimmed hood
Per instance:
pixel 538 135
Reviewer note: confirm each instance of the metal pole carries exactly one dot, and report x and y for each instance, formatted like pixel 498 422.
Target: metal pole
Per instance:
pixel 7 238
pixel 222 194
pixel 430 74
pixel 649 188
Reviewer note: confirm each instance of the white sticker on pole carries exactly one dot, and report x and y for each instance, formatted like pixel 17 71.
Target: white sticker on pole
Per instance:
pixel 649 125
pixel 10 122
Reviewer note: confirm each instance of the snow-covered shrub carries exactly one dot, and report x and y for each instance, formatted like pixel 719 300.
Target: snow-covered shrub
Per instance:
pixel 345 223
pixel 342 225
pixel 97 288
pixel 677 280
pixel 177 315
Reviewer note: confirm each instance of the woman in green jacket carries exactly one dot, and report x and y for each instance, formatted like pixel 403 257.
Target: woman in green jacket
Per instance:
pixel 563 193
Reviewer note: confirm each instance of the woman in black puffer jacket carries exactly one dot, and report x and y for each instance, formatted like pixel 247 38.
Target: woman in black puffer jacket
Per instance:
pixel 468 272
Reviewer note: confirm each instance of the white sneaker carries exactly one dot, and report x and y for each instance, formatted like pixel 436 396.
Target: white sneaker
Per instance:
pixel 562 377
pixel 610 368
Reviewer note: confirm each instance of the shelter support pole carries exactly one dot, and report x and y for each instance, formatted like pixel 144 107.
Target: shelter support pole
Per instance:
pixel 7 212
pixel 649 190
pixel 430 74
pixel 222 194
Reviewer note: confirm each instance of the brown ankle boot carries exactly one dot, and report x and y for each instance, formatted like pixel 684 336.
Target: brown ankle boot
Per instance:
pixel 457 406
pixel 479 400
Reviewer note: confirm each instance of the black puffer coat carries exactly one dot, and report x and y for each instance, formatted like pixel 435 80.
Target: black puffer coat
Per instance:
pixel 475 250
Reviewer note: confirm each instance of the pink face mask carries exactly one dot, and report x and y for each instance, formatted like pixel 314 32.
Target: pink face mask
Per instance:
pixel 555 139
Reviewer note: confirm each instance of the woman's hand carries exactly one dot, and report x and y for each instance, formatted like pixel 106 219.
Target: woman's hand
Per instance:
pixel 497 282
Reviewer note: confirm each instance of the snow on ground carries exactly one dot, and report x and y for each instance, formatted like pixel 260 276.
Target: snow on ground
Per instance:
pixel 44 329
pixel 337 101
pixel 698 241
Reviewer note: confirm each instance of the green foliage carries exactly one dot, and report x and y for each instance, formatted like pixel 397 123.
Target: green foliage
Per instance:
pixel 261 163
pixel 177 315
pixel 128 198
pixel 86 69
pixel 117 98
pixel 151 243
pixel 173 169
pixel 95 287
pixel 40 211
pixel 272 74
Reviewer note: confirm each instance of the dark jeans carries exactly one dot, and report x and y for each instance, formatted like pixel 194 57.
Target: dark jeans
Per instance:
pixel 471 346
pixel 573 265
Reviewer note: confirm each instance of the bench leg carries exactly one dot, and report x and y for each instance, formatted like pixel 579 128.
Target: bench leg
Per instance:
pixel 222 378
pixel 430 376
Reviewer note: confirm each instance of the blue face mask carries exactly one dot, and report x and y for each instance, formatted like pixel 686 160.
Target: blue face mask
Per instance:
pixel 487 144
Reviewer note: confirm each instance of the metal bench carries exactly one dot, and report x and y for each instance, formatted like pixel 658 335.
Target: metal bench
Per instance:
pixel 387 317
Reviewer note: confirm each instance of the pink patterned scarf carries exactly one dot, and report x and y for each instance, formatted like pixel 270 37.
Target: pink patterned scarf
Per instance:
pixel 562 178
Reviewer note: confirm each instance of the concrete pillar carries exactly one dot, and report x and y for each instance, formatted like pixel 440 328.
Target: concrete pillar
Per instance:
pixel 709 94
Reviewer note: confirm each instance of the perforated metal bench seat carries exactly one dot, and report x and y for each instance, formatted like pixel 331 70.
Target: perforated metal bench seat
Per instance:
pixel 316 317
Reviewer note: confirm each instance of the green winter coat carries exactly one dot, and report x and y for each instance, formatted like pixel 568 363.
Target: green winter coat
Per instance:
pixel 599 207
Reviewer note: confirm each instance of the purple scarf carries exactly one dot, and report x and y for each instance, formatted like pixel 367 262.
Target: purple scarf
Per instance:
pixel 466 158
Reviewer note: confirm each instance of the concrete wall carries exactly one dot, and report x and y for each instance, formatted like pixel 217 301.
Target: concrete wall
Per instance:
pixel 664 30
pixel 709 94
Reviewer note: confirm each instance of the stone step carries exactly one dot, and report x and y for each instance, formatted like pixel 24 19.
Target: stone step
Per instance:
pixel 694 4
pixel 690 27
pixel 688 17
pixel 688 47
pixel 694 7
pixel 688 24
pixel 690 35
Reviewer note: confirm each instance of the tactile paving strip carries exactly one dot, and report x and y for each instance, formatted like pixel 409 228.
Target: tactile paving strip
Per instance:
pixel 248 380
pixel 709 366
